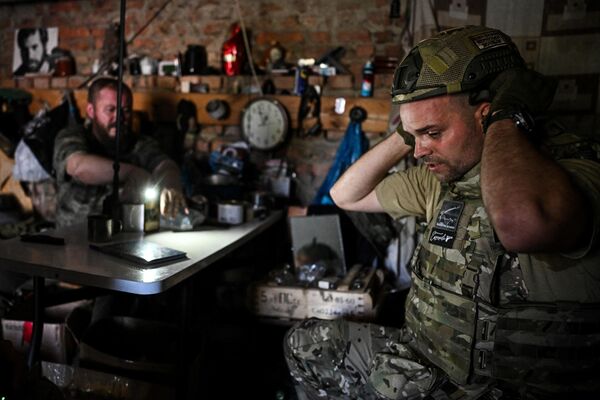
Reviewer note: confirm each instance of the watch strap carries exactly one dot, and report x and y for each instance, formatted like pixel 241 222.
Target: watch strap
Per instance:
pixel 521 118
pixel 407 137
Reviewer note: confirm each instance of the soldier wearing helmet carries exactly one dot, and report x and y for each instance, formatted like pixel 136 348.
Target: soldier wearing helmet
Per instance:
pixel 505 293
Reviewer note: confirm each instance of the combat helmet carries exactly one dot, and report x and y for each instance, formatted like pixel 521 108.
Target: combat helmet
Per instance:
pixel 454 61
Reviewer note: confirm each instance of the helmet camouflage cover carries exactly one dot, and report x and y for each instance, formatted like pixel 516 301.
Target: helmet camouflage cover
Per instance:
pixel 453 61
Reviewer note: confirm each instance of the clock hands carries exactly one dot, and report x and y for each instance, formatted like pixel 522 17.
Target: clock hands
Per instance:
pixel 264 118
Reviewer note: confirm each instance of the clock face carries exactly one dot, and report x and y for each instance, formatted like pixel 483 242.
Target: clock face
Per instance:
pixel 264 123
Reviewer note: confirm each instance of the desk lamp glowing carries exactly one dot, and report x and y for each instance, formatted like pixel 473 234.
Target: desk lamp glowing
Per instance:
pixel 150 194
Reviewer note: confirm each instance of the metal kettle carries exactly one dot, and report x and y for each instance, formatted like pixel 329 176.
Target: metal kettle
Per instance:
pixel 194 60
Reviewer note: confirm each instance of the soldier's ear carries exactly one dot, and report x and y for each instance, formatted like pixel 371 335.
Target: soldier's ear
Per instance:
pixel 482 112
pixel 89 109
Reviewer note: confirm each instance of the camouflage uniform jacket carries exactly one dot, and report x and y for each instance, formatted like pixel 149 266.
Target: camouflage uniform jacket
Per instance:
pixel 76 200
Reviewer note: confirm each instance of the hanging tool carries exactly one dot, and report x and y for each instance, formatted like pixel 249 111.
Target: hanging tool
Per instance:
pixel 310 103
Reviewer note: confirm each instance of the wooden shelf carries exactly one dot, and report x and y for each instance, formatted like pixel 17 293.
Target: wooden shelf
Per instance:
pixel 161 105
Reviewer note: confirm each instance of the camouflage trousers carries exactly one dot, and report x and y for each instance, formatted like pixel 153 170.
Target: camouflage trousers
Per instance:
pixel 346 360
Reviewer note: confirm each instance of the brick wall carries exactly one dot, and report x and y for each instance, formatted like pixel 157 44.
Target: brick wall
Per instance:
pixel 304 28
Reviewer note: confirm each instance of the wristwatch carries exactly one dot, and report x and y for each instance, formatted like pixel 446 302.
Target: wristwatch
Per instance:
pixel 522 119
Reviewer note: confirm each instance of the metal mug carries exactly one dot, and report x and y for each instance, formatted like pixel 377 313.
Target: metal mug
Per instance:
pixel 132 216
pixel 101 227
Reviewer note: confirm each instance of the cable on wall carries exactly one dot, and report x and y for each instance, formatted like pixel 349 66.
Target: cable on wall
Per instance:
pixel 247 46
pixel 105 65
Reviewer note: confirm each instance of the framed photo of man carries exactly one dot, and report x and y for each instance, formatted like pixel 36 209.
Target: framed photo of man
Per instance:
pixel 32 49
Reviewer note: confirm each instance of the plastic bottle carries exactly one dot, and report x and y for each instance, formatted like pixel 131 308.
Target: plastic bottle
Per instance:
pixel 366 88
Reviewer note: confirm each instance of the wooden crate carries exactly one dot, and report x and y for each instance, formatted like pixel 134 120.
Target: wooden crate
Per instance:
pixel 293 302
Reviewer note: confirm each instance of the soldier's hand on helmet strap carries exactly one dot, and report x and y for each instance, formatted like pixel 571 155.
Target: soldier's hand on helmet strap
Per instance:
pixel 522 89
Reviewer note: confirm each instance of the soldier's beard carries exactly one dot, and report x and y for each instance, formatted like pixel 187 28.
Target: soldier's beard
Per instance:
pixel 453 171
pixel 102 134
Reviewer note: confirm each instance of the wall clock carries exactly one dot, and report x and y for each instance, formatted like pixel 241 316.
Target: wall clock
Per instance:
pixel 265 123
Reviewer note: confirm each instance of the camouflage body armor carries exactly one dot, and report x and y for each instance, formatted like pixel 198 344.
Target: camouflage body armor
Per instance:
pixel 468 308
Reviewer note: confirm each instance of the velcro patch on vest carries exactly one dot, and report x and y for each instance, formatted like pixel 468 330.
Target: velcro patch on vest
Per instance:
pixel 443 232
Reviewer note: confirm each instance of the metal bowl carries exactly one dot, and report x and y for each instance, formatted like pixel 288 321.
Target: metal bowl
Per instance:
pixel 219 180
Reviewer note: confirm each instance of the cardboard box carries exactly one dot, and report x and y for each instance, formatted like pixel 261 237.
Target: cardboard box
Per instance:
pixel 267 299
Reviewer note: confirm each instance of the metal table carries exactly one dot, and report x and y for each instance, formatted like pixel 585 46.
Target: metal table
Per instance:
pixel 77 263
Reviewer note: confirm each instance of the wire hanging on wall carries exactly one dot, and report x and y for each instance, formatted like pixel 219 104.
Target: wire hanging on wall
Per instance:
pixel 103 67
pixel 247 46
pixel 150 20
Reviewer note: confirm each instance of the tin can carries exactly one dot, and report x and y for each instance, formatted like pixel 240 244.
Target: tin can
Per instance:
pixel 230 212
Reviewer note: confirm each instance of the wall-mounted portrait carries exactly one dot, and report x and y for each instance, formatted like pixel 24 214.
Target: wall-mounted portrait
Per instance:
pixel 32 50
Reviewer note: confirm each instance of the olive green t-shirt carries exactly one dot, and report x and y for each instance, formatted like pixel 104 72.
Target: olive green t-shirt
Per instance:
pixel 412 192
